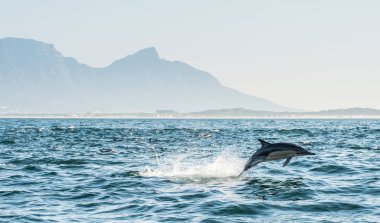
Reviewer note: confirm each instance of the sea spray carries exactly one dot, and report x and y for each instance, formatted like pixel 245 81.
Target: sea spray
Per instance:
pixel 225 164
pixel 155 154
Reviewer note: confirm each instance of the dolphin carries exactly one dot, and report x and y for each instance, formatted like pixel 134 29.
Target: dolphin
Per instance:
pixel 275 151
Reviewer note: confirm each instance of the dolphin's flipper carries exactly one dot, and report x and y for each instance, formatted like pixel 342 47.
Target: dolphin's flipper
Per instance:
pixel 287 161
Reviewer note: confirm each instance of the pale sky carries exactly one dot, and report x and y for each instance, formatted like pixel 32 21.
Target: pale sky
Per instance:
pixel 306 54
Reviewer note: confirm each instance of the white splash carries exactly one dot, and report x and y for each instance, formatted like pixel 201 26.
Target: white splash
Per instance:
pixel 226 164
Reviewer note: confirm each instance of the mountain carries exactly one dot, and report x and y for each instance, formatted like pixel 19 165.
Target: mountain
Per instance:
pixel 35 77
pixel 241 112
pixel 351 112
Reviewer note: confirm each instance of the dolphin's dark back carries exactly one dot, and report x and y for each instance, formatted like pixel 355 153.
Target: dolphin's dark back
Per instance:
pixel 265 150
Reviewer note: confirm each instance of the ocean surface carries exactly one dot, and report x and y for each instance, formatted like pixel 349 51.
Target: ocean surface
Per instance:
pixel 111 170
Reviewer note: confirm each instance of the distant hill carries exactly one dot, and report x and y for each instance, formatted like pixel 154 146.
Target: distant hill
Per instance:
pixel 36 78
pixel 220 113
pixel 241 112
pixel 350 112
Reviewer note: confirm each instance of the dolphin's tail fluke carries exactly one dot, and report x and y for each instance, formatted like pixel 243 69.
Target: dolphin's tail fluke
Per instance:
pixel 240 173
pixel 251 162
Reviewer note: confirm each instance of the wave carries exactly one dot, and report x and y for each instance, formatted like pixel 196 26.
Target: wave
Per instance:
pixel 293 131
pixel 333 169
pixel 7 141
pixel 47 160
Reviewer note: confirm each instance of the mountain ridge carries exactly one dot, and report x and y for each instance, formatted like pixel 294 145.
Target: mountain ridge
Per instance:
pixel 242 112
pixel 35 77
pixel 238 113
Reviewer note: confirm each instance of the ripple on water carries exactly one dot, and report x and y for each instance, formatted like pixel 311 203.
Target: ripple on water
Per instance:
pixel 328 206
pixel 334 169
pixel 7 141
pixel 47 160
pixel 241 210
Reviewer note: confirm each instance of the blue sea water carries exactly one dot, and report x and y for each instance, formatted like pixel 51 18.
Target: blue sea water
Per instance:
pixel 110 170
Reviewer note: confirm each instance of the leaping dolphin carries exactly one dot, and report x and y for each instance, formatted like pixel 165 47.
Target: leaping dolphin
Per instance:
pixel 275 151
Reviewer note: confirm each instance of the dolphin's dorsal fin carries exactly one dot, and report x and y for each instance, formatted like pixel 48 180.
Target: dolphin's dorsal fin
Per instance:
pixel 263 143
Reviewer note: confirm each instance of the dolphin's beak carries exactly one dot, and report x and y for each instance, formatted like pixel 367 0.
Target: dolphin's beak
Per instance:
pixel 311 153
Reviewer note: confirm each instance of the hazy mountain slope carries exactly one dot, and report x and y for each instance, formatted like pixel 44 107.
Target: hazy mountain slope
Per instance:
pixel 35 77
pixel 241 112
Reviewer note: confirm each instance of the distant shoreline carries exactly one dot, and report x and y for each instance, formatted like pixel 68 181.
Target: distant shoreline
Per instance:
pixel 53 116
pixel 233 113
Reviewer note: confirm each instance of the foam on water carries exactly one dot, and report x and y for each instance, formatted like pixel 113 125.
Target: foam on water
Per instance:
pixel 226 164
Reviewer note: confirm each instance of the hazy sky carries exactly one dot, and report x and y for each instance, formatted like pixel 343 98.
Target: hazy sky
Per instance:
pixel 304 54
